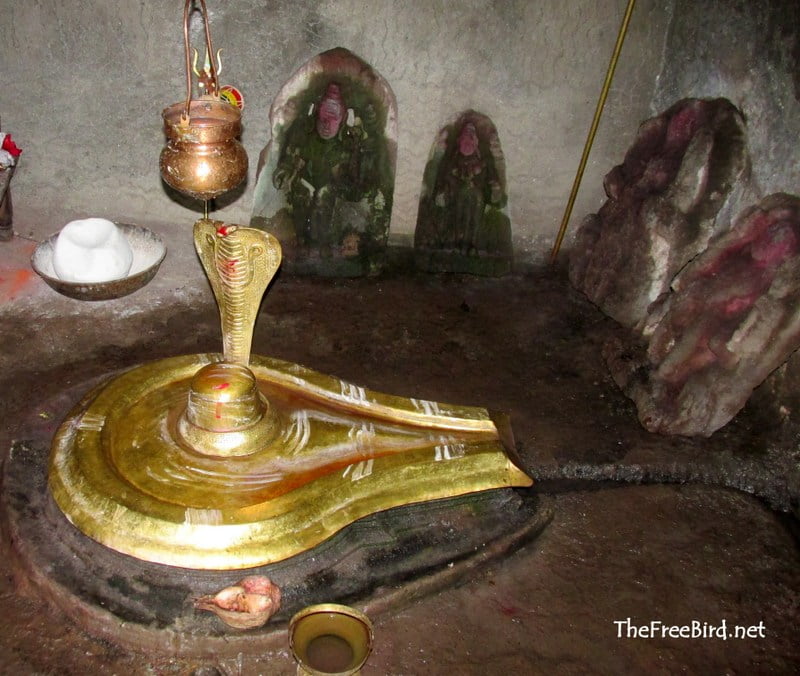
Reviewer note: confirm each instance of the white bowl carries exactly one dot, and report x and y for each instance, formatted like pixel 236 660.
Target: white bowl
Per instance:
pixel 148 253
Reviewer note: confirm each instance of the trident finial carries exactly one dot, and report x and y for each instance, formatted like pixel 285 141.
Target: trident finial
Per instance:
pixel 205 76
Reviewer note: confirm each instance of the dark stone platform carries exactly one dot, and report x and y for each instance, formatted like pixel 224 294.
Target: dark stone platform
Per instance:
pixel 378 563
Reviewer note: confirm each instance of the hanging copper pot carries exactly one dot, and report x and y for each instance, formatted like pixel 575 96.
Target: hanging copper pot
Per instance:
pixel 203 157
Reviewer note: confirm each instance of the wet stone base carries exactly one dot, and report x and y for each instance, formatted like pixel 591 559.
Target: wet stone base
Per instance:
pixel 443 260
pixel 379 563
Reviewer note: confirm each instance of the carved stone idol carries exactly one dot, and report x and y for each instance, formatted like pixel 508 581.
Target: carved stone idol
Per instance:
pixel 462 223
pixel 326 179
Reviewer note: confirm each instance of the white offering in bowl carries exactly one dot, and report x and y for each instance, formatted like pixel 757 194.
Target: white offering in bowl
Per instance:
pixel 91 250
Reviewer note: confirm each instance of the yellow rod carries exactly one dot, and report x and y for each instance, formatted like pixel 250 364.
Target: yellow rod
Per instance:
pixel 601 102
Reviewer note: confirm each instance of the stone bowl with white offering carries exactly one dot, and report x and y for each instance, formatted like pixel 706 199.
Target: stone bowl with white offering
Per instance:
pixel 97 259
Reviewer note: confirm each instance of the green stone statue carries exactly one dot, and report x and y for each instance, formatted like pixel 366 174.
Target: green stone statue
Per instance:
pixel 326 182
pixel 462 224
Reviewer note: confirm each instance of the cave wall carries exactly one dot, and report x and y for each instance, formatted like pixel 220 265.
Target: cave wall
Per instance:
pixel 749 53
pixel 83 86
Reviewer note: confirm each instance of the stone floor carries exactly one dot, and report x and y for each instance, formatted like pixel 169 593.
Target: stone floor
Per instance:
pixel 716 542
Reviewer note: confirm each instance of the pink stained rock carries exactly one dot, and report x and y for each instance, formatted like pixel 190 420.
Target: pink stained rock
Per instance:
pixel 730 319
pixel 684 176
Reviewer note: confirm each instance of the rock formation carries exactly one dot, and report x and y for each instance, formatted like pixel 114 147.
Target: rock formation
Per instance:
pixel 681 182
pixel 731 317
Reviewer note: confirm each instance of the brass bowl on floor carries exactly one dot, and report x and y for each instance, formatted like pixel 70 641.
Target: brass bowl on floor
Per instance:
pixel 148 253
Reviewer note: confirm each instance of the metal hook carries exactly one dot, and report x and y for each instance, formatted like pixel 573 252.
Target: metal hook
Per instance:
pixel 213 80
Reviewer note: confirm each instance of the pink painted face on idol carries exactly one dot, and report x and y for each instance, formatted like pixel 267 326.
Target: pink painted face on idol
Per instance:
pixel 330 114
pixel 468 140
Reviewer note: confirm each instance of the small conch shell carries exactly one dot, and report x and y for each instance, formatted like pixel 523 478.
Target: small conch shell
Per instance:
pixel 247 604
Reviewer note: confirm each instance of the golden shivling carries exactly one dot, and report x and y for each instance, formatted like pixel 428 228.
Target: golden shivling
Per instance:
pixel 229 461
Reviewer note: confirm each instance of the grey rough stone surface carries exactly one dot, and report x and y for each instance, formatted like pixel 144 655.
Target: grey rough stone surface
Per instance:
pixel 729 320
pixel 749 53
pixel 685 172
pixel 84 85
pixel 780 392
pixel 528 345
pixel 381 562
